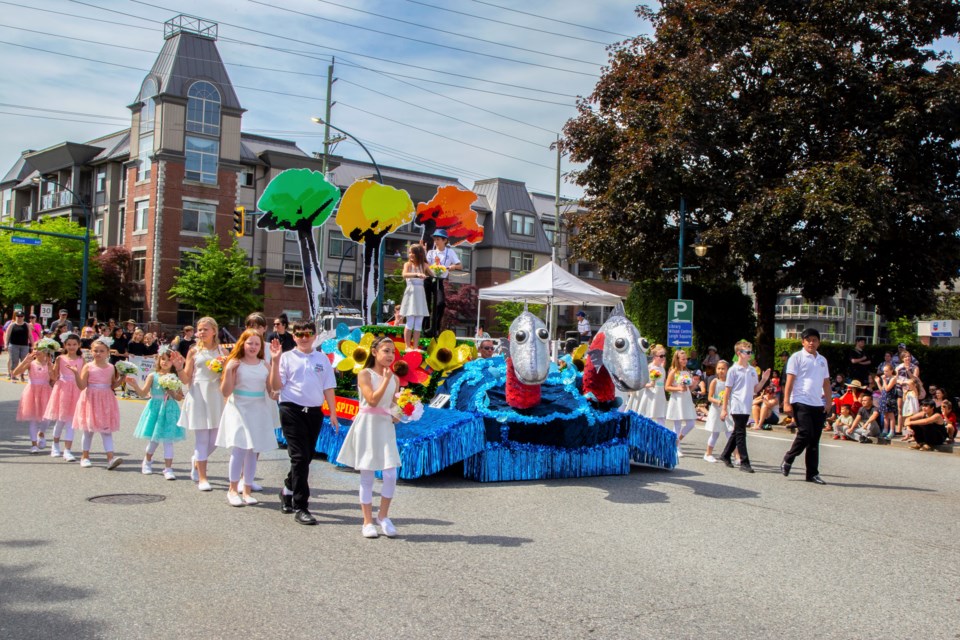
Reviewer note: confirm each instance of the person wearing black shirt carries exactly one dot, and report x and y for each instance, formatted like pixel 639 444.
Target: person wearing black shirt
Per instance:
pixel 280 333
pixel 184 342
pixel 859 362
pixel 118 350
pixel 136 346
pixel 151 346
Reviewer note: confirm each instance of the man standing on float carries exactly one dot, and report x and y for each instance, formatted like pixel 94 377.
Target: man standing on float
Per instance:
pixel 436 286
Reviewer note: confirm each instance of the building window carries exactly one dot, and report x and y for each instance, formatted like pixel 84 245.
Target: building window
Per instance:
pixel 248 223
pixel 202 157
pixel 187 315
pixel 341 286
pixel 521 261
pixel 7 202
pixel 466 259
pixel 101 180
pixel 148 112
pixel 122 214
pixel 292 274
pixel 145 157
pixel 203 109
pixel 340 247
pixel 522 224
pixel 550 229
pixel 246 179
pixel 199 218
pixel 139 266
pixel 98 226
pixel 188 260
pixel 140 216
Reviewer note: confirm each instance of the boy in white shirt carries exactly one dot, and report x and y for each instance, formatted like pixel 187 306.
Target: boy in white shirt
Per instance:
pixel 742 386
pixel 808 397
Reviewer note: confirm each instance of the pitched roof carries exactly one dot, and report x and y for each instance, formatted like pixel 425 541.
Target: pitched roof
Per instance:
pixel 505 196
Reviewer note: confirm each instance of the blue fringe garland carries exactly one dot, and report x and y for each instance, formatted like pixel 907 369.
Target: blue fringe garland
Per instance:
pixel 651 443
pixel 506 461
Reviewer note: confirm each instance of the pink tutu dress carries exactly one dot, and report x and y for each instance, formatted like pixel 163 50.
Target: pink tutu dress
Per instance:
pixel 34 400
pixel 97 409
pixel 63 399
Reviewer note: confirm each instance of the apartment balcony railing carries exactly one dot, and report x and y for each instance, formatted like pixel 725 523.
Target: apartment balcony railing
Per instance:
pixel 26 213
pixel 56 200
pixel 865 317
pixel 824 337
pixel 809 311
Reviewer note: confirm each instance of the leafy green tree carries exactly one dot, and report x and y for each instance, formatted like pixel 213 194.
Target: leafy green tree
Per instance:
pixel 506 312
pixel 948 307
pixel 812 141
pixel 218 283
pixel 117 285
pixel 48 272
pixel 901 330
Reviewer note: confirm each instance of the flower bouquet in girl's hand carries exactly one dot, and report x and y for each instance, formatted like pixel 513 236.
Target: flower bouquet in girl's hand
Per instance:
pixel 49 345
pixel 125 368
pixel 685 379
pixel 409 408
pixel 170 382
pixel 655 375
pixel 437 270
pixel 216 364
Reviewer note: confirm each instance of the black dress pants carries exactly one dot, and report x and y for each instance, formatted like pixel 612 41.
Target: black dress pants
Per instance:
pixel 301 427
pixel 809 420
pixel 737 439
pixel 435 289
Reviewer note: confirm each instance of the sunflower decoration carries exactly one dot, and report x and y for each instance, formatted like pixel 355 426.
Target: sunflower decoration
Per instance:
pixel 579 356
pixel 355 354
pixel 442 353
pixel 466 352
pixel 409 370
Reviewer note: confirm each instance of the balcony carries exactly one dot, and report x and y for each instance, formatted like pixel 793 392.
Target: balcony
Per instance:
pixel 26 213
pixel 56 200
pixel 809 311
pixel 824 337
pixel 865 317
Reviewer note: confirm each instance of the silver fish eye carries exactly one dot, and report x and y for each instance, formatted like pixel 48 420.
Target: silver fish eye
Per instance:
pixel 644 344
pixel 521 336
pixel 542 334
pixel 620 344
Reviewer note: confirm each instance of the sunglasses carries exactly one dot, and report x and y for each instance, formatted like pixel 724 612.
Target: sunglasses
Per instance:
pixel 276 324
pixel 746 352
pixel 486 348
pixel 303 334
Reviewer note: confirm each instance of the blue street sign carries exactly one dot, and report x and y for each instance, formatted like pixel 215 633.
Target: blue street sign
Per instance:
pixel 680 334
pixel 22 240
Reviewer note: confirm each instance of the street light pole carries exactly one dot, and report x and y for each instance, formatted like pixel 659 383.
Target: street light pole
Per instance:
pixel 376 168
pixel 683 227
pixel 86 247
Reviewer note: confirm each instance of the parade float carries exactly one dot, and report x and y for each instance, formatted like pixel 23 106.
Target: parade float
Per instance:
pixel 517 416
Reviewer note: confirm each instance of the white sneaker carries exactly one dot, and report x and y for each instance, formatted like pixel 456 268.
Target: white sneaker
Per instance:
pixel 369 531
pixel 234 499
pixel 42 443
pixel 34 449
pixel 85 463
pixel 250 500
pixel 709 458
pixel 204 486
pixel 387 527
pixel 679 453
pixel 68 455
pixel 194 474
pixel 113 464
pixel 253 486
pixel 147 467
pixel 54 451
pixel 168 474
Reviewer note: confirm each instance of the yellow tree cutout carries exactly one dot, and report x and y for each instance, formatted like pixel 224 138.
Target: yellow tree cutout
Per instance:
pixel 369 211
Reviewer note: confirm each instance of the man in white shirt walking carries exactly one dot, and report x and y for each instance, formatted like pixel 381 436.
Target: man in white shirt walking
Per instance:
pixel 807 396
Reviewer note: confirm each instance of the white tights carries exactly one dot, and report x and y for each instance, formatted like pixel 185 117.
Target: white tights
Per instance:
pixel 63 428
pixel 107 441
pixel 683 427
pixel 167 448
pixel 366 485
pixel 414 323
pixel 242 462
pixel 205 443
pixel 714 436
pixel 36 426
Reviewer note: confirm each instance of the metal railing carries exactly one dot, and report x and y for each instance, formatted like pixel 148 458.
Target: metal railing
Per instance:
pixel 865 317
pixel 824 337
pixel 804 311
pixel 55 200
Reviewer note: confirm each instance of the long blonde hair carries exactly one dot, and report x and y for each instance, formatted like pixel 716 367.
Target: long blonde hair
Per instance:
pixel 216 329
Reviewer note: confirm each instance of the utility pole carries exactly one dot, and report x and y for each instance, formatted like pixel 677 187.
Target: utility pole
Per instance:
pixel 326 153
pixel 555 313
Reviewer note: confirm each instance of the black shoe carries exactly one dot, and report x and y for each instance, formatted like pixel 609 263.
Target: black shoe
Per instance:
pixel 727 461
pixel 286 503
pixel 816 480
pixel 785 469
pixel 303 517
pixel 746 468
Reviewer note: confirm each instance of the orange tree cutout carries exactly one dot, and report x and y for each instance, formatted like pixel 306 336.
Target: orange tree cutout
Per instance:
pixel 450 210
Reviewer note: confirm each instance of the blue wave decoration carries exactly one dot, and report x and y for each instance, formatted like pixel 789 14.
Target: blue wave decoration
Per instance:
pixel 509 461
pixel 651 443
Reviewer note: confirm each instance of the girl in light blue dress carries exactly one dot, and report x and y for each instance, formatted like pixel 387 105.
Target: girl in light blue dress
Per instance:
pixel 158 422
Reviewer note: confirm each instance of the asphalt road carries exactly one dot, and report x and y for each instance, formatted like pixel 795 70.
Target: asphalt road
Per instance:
pixel 699 552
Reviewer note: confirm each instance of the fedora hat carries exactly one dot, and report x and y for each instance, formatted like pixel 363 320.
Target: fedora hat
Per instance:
pixel 855 384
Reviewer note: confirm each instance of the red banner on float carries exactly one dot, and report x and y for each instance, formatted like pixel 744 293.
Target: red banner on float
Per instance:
pixel 347 408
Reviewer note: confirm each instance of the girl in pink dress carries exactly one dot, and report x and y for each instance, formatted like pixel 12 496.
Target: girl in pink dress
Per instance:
pixel 97 409
pixel 63 400
pixel 35 395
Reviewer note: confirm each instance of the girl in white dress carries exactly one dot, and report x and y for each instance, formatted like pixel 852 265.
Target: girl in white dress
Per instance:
pixel 680 410
pixel 249 417
pixel 413 307
pixel 203 402
pixel 714 425
pixel 371 443
pixel 653 402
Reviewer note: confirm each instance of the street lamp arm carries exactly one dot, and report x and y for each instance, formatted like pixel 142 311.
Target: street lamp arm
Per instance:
pixel 376 167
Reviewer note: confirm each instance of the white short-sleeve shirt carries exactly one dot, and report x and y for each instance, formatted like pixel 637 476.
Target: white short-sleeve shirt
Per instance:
pixel 305 376
pixel 448 257
pixel 809 371
pixel 741 381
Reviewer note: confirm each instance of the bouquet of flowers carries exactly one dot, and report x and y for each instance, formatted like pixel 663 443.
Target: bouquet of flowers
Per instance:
pixel 125 368
pixel 409 407
pixel 655 375
pixel 216 364
pixel 684 378
pixel 170 382
pixel 438 270
pixel 49 345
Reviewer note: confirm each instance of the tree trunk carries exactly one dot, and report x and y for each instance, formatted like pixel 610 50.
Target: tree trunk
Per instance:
pixel 312 276
pixel 766 297
pixel 371 278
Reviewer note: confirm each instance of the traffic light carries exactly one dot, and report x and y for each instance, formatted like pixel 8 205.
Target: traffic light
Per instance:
pixel 239 220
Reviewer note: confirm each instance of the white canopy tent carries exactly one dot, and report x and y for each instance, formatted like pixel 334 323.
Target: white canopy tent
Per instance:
pixel 550 285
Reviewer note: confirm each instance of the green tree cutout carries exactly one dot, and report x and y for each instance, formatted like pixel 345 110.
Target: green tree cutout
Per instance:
pixel 299 200
pixel 218 282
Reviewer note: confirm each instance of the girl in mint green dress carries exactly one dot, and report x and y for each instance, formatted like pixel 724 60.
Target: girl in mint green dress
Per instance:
pixel 158 422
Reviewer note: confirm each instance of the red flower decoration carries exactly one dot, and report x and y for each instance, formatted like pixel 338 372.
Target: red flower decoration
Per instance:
pixel 409 409
pixel 413 374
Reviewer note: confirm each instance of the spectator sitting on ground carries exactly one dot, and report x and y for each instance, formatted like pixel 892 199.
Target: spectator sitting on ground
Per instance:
pixel 766 410
pixel 865 425
pixel 839 386
pixel 927 426
pixel 843 423
pixel 950 420
pixel 939 395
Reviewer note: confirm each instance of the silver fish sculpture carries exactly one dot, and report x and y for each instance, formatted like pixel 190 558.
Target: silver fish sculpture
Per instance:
pixel 529 348
pixel 623 353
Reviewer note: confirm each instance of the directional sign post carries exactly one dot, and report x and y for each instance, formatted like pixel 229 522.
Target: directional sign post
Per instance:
pixel 22 240
pixel 680 323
